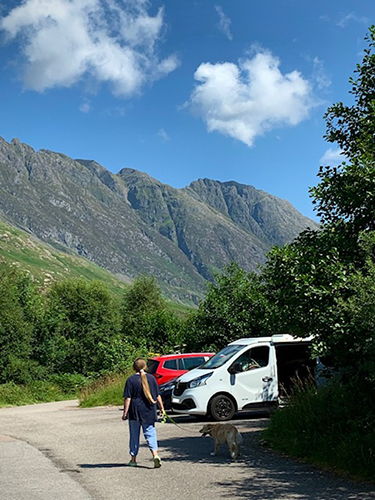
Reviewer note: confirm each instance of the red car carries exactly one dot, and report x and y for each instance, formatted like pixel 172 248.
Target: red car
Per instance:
pixel 165 368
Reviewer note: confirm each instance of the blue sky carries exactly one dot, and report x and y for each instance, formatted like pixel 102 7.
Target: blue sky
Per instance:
pixel 183 89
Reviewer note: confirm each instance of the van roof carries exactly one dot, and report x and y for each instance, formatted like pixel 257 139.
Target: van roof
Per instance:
pixel 182 355
pixel 283 337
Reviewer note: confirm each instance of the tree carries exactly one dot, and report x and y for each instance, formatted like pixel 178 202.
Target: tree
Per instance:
pixel 144 296
pixel 356 341
pixel 16 328
pixel 318 282
pixel 308 285
pixel 161 331
pixel 353 127
pixel 345 196
pixel 234 307
pixel 303 281
pixel 84 323
pixel 146 321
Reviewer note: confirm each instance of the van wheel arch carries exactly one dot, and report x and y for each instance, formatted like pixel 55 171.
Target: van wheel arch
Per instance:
pixel 228 409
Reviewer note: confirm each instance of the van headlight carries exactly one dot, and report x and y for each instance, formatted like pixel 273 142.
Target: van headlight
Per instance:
pixel 202 380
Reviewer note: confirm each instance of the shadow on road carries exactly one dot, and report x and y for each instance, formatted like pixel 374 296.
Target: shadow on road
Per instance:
pixel 110 466
pixel 242 416
pixel 101 466
pixel 261 474
pixel 296 482
pixel 193 447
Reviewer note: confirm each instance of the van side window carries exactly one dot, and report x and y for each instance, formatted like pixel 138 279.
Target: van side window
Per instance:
pixel 257 357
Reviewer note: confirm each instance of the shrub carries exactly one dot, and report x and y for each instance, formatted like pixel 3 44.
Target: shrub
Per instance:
pixel 331 426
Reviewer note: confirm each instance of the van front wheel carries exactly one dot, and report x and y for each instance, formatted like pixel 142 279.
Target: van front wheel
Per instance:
pixel 222 408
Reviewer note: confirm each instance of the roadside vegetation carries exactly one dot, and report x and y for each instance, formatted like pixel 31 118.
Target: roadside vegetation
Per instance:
pixel 107 390
pixel 54 388
pixel 322 285
pixel 331 427
pixel 75 334
pixel 326 287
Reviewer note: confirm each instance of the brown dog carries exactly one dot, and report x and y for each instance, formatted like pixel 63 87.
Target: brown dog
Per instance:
pixel 224 434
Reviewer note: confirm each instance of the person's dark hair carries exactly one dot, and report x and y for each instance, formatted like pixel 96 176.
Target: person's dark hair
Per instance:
pixel 139 366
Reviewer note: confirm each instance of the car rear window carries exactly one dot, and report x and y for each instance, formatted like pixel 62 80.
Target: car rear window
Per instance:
pixel 152 366
pixel 193 362
pixel 170 364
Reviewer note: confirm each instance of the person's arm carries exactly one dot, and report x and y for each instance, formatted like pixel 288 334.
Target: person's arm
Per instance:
pixel 126 408
pixel 160 403
pixel 155 392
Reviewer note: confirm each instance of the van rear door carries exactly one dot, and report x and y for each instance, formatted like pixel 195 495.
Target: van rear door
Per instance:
pixel 295 364
pixel 253 376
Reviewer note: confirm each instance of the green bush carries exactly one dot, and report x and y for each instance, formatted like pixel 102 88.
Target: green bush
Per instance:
pixel 330 426
pixel 69 383
pixel 23 371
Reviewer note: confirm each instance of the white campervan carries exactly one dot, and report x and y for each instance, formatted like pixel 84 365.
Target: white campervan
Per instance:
pixel 247 374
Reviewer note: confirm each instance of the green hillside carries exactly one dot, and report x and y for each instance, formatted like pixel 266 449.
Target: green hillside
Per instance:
pixel 47 264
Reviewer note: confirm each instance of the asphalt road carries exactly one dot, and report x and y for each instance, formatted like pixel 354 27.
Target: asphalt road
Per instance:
pixel 59 451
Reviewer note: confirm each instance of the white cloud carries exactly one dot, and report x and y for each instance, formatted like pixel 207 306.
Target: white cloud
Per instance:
pixel 345 20
pixel 85 107
pixel 244 101
pixel 320 74
pixel 163 135
pixel 224 23
pixel 332 157
pixel 109 41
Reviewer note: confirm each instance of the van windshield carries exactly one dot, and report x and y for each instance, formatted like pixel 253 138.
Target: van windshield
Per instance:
pixel 222 357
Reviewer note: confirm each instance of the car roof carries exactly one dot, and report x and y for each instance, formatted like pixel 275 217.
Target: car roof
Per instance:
pixel 183 355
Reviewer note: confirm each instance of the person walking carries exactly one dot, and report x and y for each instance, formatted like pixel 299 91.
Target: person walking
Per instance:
pixel 141 393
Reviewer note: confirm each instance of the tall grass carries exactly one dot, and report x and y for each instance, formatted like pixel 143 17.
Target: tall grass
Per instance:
pixel 37 392
pixel 332 426
pixel 105 391
pixel 54 388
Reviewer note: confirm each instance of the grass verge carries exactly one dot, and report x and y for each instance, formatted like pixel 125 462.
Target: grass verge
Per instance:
pixel 55 388
pixel 37 392
pixel 331 427
pixel 105 391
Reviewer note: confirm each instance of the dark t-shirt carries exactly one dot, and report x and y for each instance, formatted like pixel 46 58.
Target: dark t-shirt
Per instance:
pixel 140 407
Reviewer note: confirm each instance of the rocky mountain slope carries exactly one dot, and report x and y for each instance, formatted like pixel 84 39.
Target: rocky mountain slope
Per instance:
pixel 131 224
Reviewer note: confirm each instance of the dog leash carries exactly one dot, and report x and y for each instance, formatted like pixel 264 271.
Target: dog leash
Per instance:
pixel 166 417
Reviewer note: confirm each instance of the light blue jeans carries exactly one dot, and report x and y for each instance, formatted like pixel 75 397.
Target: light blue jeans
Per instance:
pixel 149 433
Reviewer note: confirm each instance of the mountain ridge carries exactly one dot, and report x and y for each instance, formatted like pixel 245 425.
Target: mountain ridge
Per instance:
pixel 131 224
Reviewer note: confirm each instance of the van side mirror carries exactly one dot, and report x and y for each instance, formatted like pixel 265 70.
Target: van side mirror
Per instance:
pixel 235 368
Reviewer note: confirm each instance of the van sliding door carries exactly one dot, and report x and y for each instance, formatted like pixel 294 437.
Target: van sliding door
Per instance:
pixel 253 376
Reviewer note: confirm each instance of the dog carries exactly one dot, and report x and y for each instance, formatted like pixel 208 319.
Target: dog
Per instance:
pixel 221 434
